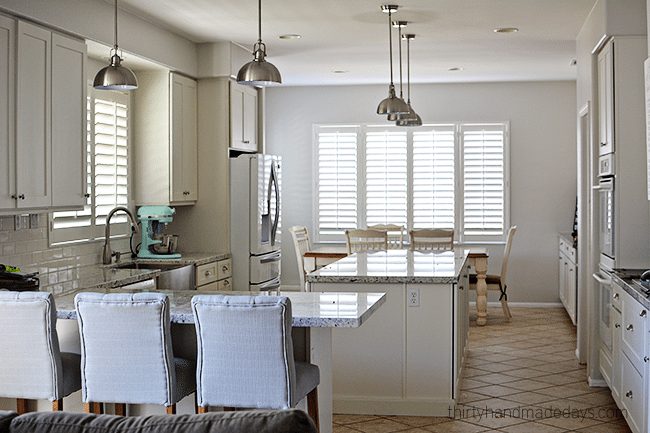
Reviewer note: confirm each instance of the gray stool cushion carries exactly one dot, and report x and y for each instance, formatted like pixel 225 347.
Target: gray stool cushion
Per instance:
pixel 280 421
pixel 71 363
pixel 5 420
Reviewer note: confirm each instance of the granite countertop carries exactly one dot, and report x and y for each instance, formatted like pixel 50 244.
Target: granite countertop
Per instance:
pixel 60 280
pixel 394 266
pixel 310 309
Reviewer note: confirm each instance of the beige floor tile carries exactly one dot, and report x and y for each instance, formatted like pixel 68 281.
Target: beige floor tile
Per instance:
pixel 529 398
pixel 527 385
pixel 495 390
pixel 495 378
pixel 418 421
pixel 343 429
pixel 532 427
pixel 606 428
pixel 350 419
pixel 380 425
pixel 456 427
pixel 526 373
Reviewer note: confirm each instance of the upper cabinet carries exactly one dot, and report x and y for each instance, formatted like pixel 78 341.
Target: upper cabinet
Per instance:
pixel 605 101
pixel 243 117
pixel 165 143
pixel 43 142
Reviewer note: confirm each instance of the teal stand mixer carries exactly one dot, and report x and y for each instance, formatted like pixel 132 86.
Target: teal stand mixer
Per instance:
pixel 155 244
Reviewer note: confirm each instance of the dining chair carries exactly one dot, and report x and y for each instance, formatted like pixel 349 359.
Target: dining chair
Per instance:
pixel 360 240
pixel 245 355
pixel 126 352
pixel 32 366
pixel 395 234
pixel 498 282
pixel 302 245
pixel 432 239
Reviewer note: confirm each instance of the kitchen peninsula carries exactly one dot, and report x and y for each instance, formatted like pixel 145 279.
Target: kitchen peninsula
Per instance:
pixel 408 359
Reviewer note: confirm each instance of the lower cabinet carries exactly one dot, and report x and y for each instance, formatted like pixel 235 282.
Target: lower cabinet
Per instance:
pixel 568 277
pixel 214 276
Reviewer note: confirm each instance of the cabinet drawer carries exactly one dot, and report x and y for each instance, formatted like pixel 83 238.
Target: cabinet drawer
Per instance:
pixel 213 287
pixel 206 273
pixel 632 396
pixel 225 284
pixel 224 269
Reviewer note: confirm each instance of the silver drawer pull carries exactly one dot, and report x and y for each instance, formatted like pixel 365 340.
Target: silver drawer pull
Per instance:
pixel 643 313
pixel 628 394
pixel 616 296
pixel 630 327
pixel 224 268
pixel 208 273
pixel 617 325
pixel 226 282
pixel 646 359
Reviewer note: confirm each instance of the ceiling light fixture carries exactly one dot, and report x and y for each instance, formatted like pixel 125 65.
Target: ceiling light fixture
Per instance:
pixel 412 118
pixel 506 30
pixel 115 76
pixel 259 72
pixel 290 37
pixel 392 104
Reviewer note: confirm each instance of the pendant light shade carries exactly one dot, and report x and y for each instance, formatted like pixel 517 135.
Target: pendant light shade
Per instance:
pixel 411 118
pixel 115 76
pixel 392 104
pixel 259 72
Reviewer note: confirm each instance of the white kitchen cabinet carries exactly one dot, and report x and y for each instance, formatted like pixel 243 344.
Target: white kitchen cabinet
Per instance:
pixel 44 161
pixel 605 101
pixel 165 141
pixel 568 277
pixel 243 117
pixel 214 275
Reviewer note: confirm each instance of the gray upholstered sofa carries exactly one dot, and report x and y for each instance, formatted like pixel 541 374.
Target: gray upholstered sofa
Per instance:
pixel 258 421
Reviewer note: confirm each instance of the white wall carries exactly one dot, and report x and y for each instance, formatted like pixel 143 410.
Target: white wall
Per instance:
pixel 542 118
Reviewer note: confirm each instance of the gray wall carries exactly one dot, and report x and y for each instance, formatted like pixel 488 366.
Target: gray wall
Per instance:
pixel 542 118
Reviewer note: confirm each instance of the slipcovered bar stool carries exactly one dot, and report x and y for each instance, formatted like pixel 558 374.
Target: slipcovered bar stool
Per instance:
pixel 126 352
pixel 31 364
pixel 245 355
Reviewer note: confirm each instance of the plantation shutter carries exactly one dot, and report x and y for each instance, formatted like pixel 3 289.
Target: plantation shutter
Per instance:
pixel 433 178
pixel 484 179
pixel 337 181
pixel 386 176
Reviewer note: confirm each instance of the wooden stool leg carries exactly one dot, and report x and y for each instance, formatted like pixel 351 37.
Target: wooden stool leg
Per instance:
pixel 21 406
pixel 95 408
pixel 312 407
pixel 120 409
pixel 57 405
pixel 171 410
pixel 202 409
pixel 506 310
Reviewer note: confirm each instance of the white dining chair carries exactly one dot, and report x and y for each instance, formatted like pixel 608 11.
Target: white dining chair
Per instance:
pixel 395 234
pixel 32 366
pixel 498 282
pixel 432 239
pixel 245 355
pixel 366 240
pixel 302 245
pixel 126 352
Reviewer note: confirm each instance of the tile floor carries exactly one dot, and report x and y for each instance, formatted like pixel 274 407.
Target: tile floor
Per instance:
pixel 520 377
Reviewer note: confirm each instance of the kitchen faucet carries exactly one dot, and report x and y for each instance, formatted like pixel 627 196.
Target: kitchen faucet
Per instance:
pixel 108 254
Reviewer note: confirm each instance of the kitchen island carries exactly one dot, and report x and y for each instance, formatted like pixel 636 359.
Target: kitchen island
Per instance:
pixel 408 359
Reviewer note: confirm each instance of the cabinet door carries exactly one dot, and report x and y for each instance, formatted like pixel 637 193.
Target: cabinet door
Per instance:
pixel 634 339
pixel 605 101
pixel 243 117
pixel 68 121
pixel 183 110
pixel 7 85
pixel 571 291
pixel 33 131
pixel 562 276
pixel 615 384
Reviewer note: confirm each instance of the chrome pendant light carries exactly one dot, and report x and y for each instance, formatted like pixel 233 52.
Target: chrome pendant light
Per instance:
pixel 400 25
pixel 115 76
pixel 259 72
pixel 412 118
pixel 392 104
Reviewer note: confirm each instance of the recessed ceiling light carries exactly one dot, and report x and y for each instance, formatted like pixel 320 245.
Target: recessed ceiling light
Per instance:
pixel 506 30
pixel 455 69
pixel 289 37
pixel 340 71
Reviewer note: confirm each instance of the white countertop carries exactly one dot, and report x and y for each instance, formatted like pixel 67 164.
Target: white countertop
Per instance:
pixel 309 309
pixel 394 266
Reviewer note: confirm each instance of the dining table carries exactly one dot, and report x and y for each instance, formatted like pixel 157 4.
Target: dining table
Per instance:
pixel 478 259
pixel 329 253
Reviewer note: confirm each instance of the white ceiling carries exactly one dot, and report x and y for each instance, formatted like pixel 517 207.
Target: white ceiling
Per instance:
pixel 353 35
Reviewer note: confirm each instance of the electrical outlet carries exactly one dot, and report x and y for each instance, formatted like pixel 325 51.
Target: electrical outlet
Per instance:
pixel 18 223
pixel 414 297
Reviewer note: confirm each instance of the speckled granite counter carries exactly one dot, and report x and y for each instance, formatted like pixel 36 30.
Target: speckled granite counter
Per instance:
pixel 312 310
pixel 626 279
pixel 394 267
pixel 66 279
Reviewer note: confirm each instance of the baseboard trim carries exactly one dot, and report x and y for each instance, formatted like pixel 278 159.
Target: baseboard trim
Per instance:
pixel 394 406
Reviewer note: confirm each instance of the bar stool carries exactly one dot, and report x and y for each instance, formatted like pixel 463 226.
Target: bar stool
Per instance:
pixel 245 355
pixel 126 352
pixel 31 364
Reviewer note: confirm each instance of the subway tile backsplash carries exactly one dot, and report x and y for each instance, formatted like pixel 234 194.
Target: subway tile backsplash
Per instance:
pixel 28 249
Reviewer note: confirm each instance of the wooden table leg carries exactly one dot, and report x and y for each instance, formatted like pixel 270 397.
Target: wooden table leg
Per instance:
pixel 480 265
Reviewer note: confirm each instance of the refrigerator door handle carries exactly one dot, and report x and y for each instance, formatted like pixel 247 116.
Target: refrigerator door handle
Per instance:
pixel 274 258
pixel 273 181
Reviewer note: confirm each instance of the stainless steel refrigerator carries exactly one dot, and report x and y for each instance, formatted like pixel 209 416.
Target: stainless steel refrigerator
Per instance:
pixel 255 204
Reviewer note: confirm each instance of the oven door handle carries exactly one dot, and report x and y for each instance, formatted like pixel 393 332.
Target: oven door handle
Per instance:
pixel 600 279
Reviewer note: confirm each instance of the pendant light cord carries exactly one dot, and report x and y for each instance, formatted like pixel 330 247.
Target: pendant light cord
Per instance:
pixel 115 28
pixel 390 44
pixel 399 27
pixel 259 21
pixel 408 69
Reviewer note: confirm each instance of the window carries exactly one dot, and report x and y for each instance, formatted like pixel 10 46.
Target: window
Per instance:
pixel 107 168
pixel 436 176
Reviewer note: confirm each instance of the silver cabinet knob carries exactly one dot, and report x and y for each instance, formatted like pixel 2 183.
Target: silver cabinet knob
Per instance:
pixel 630 327
pixel 617 325
pixel 629 394
pixel 643 313
pixel 208 273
